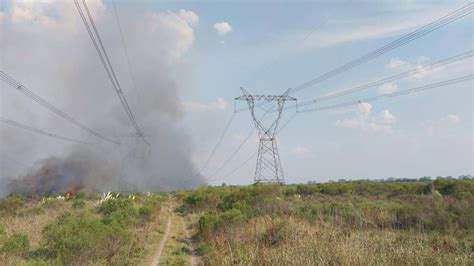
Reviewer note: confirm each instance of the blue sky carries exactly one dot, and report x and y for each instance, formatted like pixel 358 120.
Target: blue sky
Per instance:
pixel 215 47
pixel 277 45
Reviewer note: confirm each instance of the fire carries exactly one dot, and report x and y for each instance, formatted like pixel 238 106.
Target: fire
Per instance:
pixel 70 192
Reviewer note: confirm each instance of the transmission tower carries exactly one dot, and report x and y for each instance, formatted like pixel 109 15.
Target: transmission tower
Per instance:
pixel 268 168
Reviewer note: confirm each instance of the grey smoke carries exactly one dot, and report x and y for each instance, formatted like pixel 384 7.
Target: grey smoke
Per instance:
pixel 51 53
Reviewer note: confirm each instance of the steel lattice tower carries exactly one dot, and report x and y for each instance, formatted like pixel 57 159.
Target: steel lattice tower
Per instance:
pixel 268 168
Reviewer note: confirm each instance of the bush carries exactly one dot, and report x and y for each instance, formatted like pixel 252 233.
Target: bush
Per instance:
pixel 82 238
pixel 78 204
pixel 118 211
pixel 11 205
pixel 145 213
pixel 3 233
pixel 52 203
pixel 207 224
pixel 113 205
pixel 18 245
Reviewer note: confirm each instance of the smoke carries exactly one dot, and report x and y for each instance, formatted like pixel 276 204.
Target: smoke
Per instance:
pixel 44 45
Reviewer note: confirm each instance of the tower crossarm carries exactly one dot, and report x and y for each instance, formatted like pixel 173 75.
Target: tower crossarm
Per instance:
pixel 267 98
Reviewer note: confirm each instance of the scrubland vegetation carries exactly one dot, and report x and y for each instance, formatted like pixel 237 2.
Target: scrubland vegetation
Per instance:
pixel 350 223
pixel 114 230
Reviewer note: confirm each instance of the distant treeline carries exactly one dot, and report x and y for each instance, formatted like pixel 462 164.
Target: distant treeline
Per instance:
pixel 403 179
pixel 460 188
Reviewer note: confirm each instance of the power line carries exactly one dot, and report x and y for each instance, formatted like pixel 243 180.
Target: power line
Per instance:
pixel 287 122
pixel 41 132
pixel 30 94
pixel 372 84
pixel 229 159
pixel 395 94
pixel 126 51
pixel 226 128
pixel 237 168
pixel 381 97
pixel 99 46
pixel 453 16
pixel 275 59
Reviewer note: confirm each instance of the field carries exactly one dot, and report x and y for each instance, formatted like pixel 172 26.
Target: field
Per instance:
pixel 349 223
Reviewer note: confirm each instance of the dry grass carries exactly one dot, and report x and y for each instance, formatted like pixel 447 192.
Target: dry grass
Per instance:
pixel 32 218
pixel 290 241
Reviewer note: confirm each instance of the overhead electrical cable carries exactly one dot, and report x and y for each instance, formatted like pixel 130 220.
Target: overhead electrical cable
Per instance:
pixel 101 51
pixel 453 16
pixel 132 74
pixel 41 132
pixel 395 94
pixel 229 159
pixel 35 97
pixel 236 168
pixel 417 70
pixel 443 21
pixel 287 122
pixel 304 38
pixel 226 128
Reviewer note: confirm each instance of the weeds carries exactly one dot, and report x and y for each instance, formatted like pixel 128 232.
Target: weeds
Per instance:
pixel 336 223
pixel 17 245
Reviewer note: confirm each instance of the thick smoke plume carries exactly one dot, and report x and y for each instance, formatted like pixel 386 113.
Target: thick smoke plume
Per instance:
pixel 46 47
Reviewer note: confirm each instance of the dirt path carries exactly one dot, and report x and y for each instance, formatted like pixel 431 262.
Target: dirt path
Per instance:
pixel 193 258
pixel 157 257
pixel 176 247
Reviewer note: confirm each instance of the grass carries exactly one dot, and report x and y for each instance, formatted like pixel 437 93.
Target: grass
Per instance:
pixel 53 231
pixel 348 223
pixel 340 223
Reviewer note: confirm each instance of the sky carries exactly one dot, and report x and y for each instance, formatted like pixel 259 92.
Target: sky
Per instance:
pixel 215 47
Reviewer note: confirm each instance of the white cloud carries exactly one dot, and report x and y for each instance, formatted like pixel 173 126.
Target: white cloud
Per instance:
pixel 349 123
pixel 49 12
pixel 385 117
pixel 388 88
pixel 366 121
pixel 396 63
pixel 300 150
pixel 369 28
pixel 219 105
pixel 421 62
pixel 189 16
pixel 222 28
pixel 175 30
pixel 451 119
pixel 364 110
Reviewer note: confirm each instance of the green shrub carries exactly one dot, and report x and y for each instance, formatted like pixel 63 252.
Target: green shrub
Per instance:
pixel 52 203
pixel 78 203
pixel 33 211
pixel 203 249
pixel 118 211
pixel 18 245
pixel 275 234
pixel 82 238
pixel 113 205
pixel 145 213
pixel 11 205
pixel 207 224
pixel 230 217
pixel 3 233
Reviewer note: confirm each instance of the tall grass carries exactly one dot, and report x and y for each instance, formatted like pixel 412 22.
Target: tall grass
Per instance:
pixel 336 223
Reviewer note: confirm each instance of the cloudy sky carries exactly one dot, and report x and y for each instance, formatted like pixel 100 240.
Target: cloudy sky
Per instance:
pixel 211 49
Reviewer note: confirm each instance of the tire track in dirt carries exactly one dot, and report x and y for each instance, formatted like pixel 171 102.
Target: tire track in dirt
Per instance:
pixel 156 260
pixel 193 258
